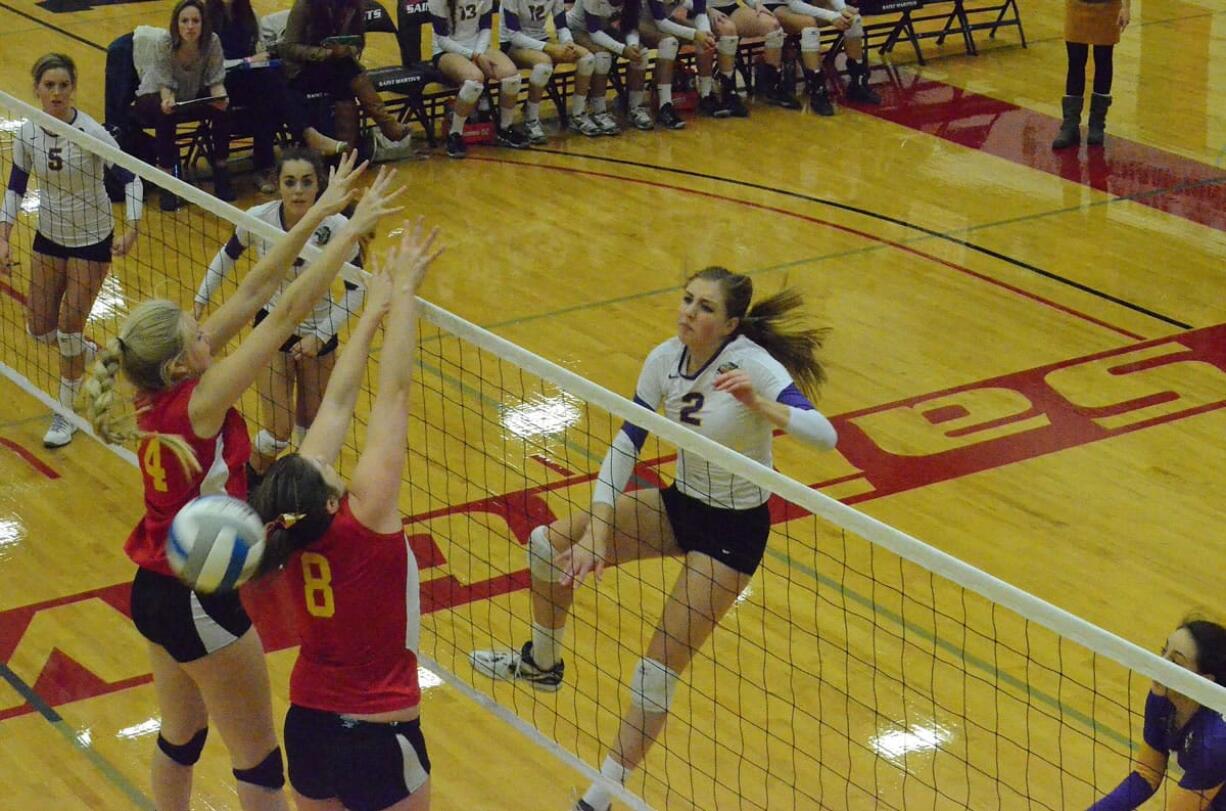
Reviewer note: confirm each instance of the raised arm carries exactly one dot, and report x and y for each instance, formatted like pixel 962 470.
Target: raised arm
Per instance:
pixel 224 381
pixel 326 435
pixel 374 489
pixel 259 285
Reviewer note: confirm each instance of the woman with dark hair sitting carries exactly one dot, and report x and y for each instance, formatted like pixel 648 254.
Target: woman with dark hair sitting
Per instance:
pixel 261 90
pixel 185 63
pixel 316 62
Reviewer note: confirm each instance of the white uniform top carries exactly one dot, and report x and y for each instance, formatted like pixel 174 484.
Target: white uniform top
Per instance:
pixel 576 18
pixel 693 401
pixel 328 316
pixel 464 20
pixel 532 15
pixel 74 210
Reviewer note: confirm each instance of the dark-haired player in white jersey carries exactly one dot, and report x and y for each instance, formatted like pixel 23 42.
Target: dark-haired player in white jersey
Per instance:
pixel 74 243
pixel 291 387
pixel 610 29
pixel 525 39
pixel 462 53
pixel 728 374
pixel 353 731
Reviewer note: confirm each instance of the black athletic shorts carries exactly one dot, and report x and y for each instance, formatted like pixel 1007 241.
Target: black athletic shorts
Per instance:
pixel 326 349
pixel 736 538
pixel 98 252
pixel 188 625
pixel 726 10
pixel 367 766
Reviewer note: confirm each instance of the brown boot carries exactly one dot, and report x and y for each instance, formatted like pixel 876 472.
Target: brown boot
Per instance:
pixel 345 122
pixel 369 98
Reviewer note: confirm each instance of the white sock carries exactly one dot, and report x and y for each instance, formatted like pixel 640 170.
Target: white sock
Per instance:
pixel 457 122
pixel 506 117
pixel 598 795
pixel 665 91
pixel 578 104
pixel 68 391
pixel 705 85
pixel 299 434
pixel 636 98
pixel 532 110
pixel 546 645
pixel 599 105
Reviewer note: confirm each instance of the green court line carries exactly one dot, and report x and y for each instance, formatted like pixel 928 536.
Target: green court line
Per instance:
pixel 980 664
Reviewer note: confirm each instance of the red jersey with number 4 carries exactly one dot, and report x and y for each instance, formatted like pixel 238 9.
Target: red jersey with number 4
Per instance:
pixel 168 486
pixel 356 594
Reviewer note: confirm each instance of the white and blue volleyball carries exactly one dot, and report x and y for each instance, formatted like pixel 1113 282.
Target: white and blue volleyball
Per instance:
pixel 215 543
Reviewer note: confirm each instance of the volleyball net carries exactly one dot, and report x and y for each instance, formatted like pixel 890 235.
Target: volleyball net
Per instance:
pixel 860 668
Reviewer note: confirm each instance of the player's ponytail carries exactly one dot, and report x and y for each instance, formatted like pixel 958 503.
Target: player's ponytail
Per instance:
pixel 1210 638
pixel 293 501
pixel 775 323
pixel 150 340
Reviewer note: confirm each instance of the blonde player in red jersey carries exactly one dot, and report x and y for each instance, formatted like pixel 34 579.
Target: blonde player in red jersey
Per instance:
pixel 353 731
pixel 206 658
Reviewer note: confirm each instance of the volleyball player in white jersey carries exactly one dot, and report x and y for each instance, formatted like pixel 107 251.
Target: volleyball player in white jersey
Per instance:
pixel 462 52
pixel 753 19
pixel 728 375
pixel 806 19
pixel 74 243
pixel 526 40
pixel 292 386
pixel 661 30
pixel 610 29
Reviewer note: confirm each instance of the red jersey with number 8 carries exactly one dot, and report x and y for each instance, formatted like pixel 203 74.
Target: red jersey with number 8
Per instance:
pixel 168 486
pixel 356 594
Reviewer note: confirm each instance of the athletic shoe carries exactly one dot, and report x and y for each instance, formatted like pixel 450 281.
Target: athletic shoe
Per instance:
pixel 819 100
pixel 859 91
pixel 60 433
pixel 709 106
pixel 583 806
pixel 583 124
pixel 781 96
pixel 456 148
pixel 668 119
pixel 511 136
pixel 535 132
pixel 509 665
pixel 731 104
pixel 641 119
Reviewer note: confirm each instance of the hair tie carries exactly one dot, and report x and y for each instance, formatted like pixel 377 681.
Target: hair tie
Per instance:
pixel 122 346
pixel 286 521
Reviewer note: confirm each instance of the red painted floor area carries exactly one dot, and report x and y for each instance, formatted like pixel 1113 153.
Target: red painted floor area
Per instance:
pixel 1123 168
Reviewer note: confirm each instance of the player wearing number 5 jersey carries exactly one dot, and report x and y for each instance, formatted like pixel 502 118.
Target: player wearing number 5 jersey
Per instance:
pixel 73 245
pixel 353 731
pixel 728 374
pixel 207 661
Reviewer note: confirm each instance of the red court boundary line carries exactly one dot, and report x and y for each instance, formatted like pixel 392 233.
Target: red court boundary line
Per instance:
pixel 836 226
pixel 30 459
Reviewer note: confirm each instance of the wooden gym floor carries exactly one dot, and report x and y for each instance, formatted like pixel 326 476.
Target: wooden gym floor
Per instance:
pixel 1026 368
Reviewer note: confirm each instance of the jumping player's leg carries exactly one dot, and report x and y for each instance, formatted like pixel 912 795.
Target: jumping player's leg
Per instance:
pixel 703 593
pixel 234 683
pixel 84 279
pixel 275 386
pixel 312 376
pixel 185 722
pixel 48 281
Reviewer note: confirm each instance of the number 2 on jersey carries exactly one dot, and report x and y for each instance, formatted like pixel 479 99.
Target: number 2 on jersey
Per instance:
pixel 151 461
pixel 693 404
pixel 317 580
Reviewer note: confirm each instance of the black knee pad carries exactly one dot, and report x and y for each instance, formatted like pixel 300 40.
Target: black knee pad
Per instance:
pixel 185 754
pixel 270 773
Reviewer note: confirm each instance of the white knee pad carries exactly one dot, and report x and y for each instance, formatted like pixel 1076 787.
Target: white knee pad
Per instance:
pixel 774 39
pixel 268 445
pixel 470 91
pixel 810 40
pixel 540 74
pixel 667 49
pixel 47 338
pixel 602 62
pixel 855 32
pixel 652 686
pixel 586 64
pixel 727 45
pixel 71 344
pixel 509 87
pixel 540 557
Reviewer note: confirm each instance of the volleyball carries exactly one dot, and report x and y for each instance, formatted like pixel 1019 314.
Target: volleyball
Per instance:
pixel 215 543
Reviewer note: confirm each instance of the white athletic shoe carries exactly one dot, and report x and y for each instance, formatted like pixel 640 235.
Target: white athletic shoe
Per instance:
pixel 510 665
pixel 60 433
pixel 536 133
pixel 583 124
pixel 642 119
pixel 607 123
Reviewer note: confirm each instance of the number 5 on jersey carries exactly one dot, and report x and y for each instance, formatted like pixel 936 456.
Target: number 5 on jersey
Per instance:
pixel 317 580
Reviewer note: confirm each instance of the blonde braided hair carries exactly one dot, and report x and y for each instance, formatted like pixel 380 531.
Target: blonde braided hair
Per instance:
pixel 150 340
